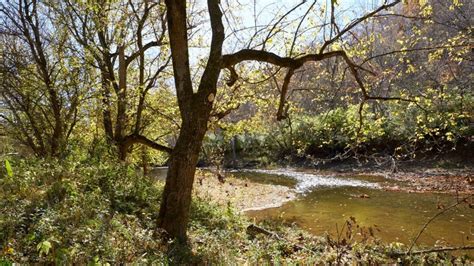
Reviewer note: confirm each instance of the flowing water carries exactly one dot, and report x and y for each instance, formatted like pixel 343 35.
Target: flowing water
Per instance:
pixel 325 203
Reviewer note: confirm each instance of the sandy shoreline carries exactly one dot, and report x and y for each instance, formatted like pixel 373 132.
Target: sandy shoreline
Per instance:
pixel 243 195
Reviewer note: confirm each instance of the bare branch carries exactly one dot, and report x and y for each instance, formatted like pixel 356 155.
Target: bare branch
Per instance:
pixel 458 202
pixel 136 138
pixel 357 22
pixel 145 47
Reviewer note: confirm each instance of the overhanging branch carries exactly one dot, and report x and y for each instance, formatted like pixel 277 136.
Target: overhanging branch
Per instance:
pixel 230 60
pixel 136 138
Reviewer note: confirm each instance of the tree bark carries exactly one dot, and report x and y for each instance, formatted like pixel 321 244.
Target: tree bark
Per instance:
pixel 106 112
pixel 174 209
pixel 121 104
pixel 137 138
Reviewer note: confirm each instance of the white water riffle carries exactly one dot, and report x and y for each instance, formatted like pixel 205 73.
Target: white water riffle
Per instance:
pixel 307 181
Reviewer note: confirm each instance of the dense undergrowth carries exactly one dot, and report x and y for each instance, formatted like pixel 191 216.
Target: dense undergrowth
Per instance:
pixel 401 132
pixel 106 213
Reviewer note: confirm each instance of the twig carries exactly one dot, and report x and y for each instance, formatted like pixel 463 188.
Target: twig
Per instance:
pixel 254 230
pixel 434 250
pixel 433 218
pixel 443 249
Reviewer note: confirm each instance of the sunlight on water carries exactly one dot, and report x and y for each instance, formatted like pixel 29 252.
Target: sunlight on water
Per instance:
pixel 306 181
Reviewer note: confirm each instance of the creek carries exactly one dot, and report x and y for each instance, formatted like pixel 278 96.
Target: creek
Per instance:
pixel 325 203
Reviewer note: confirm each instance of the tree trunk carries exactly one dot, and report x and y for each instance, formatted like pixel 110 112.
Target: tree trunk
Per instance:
pixel 176 200
pixel 57 139
pixel 195 109
pixel 106 113
pixel 122 150
pixel 121 98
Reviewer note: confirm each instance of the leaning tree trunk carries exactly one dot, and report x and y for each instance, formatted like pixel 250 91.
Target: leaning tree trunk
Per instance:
pixel 176 200
pixel 195 109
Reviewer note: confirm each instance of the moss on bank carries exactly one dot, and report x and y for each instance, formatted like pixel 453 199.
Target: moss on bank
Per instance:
pixel 73 212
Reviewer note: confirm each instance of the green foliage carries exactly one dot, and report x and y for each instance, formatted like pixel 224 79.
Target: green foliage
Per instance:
pixel 72 211
pixel 8 168
pixel 400 129
pixel 44 247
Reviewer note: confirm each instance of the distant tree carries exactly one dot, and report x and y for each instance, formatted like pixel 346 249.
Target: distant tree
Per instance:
pixel 41 78
pixel 119 40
